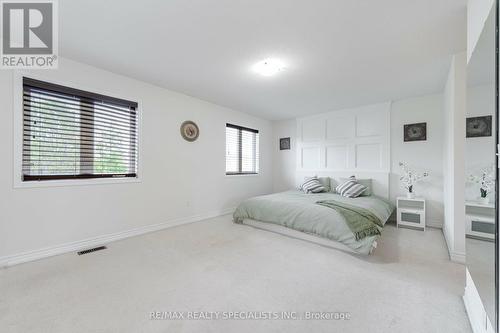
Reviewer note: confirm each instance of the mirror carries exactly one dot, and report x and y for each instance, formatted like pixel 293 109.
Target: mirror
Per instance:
pixel 480 167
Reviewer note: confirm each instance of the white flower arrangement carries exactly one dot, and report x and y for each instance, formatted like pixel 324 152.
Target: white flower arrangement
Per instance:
pixel 410 177
pixel 485 179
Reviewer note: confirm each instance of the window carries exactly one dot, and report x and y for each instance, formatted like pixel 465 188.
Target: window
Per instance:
pixel 71 134
pixel 242 150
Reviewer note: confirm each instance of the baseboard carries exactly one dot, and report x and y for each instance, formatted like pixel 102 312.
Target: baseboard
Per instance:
pixel 50 251
pixel 434 223
pixel 458 257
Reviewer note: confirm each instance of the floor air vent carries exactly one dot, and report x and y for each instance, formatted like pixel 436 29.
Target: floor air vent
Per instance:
pixel 99 248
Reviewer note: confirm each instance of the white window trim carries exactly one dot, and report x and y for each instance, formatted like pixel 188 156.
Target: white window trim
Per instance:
pixel 243 175
pixel 17 109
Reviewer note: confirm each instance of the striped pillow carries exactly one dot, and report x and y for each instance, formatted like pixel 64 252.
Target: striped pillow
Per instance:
pixel 351 188
pixel 312 185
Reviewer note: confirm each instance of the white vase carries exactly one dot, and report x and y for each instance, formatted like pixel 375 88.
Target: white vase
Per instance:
pixel 410 195
pixel 484 201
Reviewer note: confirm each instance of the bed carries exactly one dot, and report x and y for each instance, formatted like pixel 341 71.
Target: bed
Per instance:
pixel 294 213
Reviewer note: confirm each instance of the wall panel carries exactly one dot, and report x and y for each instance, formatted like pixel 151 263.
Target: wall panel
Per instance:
pixel 347 140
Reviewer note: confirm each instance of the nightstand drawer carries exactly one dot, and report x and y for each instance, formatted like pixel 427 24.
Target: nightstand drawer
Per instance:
pixel 484 227
pixel 480 227
pixel 411 204
pixel 411 217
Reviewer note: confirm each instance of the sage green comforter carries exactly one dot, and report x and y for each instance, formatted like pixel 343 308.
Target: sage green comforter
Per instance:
pixel 362 222
pixel 300 211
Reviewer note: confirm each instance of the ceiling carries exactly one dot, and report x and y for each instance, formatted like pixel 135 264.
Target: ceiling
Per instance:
pixel 339 53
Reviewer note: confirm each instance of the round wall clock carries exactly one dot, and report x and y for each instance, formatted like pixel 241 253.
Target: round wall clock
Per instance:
pixel 190 131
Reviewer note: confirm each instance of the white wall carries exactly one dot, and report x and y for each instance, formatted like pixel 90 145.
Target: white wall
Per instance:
pixel 479 152
pixel 421 155
pixel 284 161
pixel 477 14
pixel 454 161
pixel 355 139
pixel 178 179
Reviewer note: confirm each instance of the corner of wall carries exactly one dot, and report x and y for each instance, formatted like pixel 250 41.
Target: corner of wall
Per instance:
pixel 454 164
pixel 284 161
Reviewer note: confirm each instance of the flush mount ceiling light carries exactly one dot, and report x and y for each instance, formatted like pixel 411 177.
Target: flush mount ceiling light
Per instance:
pixel 268 67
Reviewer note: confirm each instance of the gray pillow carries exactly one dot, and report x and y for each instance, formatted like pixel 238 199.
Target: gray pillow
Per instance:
pixel 325 181
pixel 365 182
pixel 333 185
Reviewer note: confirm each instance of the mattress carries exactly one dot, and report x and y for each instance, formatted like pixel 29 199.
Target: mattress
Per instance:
pixel 299 211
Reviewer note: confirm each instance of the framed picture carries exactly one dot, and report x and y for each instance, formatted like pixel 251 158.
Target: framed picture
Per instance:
pixel 415 132
pixel 284 143
pixel 476 127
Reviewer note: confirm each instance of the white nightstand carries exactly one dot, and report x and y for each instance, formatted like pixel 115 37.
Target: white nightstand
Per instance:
pixel 411 212
pixel 479 220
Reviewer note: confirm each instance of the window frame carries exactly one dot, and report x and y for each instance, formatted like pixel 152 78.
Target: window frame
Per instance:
pixel 240 160
pixel 18 110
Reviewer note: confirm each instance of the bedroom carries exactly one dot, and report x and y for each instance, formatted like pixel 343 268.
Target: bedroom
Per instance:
pixel 172 143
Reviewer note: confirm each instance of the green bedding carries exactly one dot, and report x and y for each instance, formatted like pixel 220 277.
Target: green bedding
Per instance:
pixel 362 222
pixel 300 211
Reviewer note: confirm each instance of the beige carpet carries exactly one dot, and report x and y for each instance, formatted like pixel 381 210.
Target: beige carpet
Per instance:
pixel 408 285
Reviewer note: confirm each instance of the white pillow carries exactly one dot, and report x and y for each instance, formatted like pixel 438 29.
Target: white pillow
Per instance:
pixel 312 185
pixel 350 188
pixel 367 182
